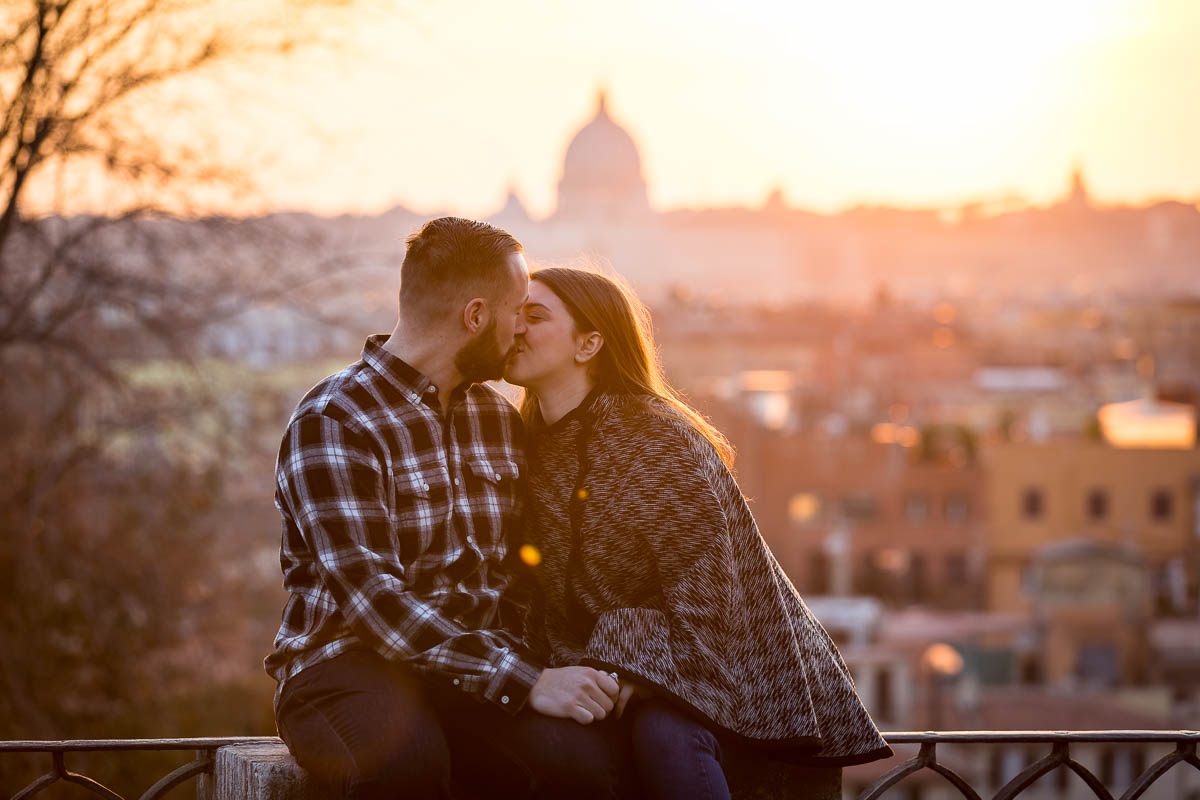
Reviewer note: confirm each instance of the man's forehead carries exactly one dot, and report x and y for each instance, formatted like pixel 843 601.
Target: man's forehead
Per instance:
pixel 519 267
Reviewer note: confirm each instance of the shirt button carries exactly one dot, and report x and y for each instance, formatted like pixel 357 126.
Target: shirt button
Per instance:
pixel 497 476
pixel 457 681
pixel 425 486
pixel 462 587
pixel 431 389
pixel 456 481
pixel 471 539
pixel 504 699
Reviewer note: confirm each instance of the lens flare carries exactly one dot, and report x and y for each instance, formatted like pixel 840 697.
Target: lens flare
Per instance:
pixel 530 555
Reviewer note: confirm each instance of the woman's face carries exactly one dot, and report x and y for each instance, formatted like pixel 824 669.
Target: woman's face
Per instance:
pixel 545 341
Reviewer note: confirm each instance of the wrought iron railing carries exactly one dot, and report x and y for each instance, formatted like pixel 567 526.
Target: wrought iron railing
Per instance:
pixel 1060 742
pixel 205 750
pixel 1060 756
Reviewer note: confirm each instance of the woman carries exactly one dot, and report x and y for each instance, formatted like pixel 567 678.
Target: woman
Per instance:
pixel 650 563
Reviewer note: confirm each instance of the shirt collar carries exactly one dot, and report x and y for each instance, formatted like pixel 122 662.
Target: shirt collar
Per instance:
pixel 396 370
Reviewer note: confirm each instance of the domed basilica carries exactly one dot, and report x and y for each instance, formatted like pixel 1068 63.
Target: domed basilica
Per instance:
pixel 602 173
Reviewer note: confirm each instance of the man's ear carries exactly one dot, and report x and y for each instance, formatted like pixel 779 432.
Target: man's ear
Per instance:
pixel 587 346
pixel 476 315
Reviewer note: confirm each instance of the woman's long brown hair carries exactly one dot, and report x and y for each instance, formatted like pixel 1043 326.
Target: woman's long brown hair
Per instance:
pixel 628 362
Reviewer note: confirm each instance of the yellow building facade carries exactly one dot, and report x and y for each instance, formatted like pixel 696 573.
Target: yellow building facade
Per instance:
pixel 1040 494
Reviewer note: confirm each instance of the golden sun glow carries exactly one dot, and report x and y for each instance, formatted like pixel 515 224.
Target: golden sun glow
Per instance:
pixel 922 103
pixel 944 66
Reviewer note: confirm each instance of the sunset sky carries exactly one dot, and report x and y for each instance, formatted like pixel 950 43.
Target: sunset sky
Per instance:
pixel 442 105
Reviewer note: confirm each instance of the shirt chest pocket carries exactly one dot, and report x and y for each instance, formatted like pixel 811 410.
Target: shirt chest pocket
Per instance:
pixel 492 484
pixel 495 471
pixel 420 504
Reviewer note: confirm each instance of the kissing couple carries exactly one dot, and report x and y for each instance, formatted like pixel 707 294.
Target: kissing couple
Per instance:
pixel 566 600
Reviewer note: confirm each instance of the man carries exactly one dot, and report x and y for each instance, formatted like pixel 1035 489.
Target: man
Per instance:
pixel 400 482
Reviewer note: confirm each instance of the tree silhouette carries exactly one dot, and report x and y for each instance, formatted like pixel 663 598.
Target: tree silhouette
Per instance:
pixel 112 481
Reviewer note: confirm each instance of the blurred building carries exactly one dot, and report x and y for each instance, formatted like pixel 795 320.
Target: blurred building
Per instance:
pixel 1092 608
pixel 1147 501
pixel 853 515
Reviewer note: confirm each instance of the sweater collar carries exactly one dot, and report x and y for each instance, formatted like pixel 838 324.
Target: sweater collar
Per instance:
pixel 582 412
pixel 595 404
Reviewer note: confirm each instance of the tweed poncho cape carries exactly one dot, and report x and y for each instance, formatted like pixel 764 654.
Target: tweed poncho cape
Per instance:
pixel 653 566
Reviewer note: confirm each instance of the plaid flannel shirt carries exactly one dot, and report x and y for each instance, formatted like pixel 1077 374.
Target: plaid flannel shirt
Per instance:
pixel 398 526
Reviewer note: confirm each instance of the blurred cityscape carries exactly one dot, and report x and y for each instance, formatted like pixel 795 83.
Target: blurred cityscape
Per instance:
pixel 968 434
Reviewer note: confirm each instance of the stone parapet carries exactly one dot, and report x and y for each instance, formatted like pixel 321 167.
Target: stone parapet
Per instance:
pixel 266 771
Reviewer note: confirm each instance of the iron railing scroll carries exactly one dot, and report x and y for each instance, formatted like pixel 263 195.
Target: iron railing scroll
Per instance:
pixel 204 748
pixel 1060 755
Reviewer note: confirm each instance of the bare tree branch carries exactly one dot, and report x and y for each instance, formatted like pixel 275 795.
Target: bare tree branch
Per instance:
pixel 88 303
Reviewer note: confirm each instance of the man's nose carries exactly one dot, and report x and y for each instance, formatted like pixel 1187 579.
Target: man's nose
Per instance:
pixel 519 328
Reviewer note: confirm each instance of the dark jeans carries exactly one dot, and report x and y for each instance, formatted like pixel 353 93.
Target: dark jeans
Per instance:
pixel 676 756
pixel 364 728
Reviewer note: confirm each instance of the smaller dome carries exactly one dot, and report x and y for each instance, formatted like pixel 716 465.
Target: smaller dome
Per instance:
pixel 513 209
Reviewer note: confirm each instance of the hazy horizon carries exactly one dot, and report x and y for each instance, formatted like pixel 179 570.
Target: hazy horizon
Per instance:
pixel 935 104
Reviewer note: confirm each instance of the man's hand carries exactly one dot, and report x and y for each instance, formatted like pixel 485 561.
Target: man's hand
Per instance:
pixel 579 693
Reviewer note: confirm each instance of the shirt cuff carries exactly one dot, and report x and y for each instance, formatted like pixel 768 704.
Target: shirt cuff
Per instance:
pixel 512 680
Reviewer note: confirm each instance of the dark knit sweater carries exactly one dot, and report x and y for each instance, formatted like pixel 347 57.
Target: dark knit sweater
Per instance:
pixel 652 566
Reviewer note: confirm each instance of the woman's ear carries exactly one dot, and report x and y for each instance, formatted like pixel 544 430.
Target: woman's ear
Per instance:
pixel 587 345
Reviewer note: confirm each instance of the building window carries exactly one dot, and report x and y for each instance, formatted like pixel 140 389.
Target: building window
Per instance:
pixel 1006 764
pixel 868 578
pixel 956 569
pixel 958 508
pixel 1196 508
pixel 1033 503
pixel 883 694
pixel 1119 767
pixel 1161 505
pixel 917 579
pixel 1097 505
pixel 1062 776
pixel 1137 760
pixel 818 571
pixel 1108 759
pixel 859 506
pixel 1030 668
pixel 1097 664
pixel 916 508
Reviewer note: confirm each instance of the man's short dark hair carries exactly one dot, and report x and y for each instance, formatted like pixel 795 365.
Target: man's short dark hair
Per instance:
pixel 452 259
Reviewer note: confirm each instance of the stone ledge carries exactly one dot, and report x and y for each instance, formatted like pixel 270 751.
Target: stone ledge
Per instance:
pixel 258 771
pixel 267 772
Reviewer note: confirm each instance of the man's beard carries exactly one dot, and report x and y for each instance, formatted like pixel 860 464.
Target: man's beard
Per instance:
pixel 482 359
